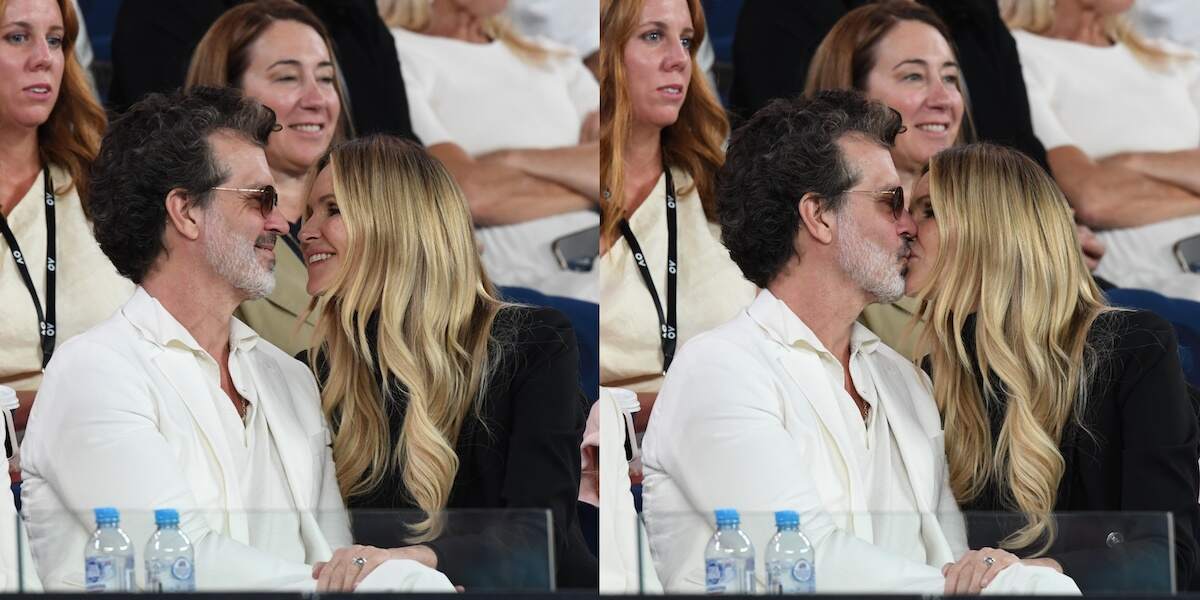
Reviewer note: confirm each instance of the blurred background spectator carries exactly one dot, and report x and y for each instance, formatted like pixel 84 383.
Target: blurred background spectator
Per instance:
pixel 152 45
pixel 1120 117
pixel 515 121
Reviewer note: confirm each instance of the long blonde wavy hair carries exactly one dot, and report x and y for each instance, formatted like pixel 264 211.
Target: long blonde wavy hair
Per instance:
pixel 415 15
pixel 411 259
pixel 1035 303
pixel 1037 16
pixel 694 143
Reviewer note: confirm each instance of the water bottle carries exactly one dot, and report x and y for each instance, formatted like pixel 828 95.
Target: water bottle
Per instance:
pixel 729 557
pixel 789 556
pixel 170 561
pixel 108 558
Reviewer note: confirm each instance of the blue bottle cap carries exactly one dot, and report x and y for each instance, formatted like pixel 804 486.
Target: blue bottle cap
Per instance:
pixel 787 518
pixel 727 516
pixel 166 516
pixel 107 514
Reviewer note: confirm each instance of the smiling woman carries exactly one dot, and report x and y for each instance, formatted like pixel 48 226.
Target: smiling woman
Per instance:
pixel 279 53
pixel 54 280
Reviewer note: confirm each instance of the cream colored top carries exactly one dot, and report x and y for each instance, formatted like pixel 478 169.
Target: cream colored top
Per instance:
pixel 88 286
pixel 711 289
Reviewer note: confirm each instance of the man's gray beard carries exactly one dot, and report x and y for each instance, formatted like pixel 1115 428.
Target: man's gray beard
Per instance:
pixel 875 270
pixel 234 260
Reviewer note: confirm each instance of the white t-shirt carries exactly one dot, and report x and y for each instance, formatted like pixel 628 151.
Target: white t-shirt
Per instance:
pixel 1105 101
pixel 485 97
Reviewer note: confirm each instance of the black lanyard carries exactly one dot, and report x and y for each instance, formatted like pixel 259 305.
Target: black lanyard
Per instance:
pixel 45 320
pixel 666 322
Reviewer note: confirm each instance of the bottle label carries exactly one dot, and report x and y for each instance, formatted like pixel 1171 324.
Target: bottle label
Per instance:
pixel 99 574
pixel 170 575
pixel 104 574
pixel 729 576
pixel 790 577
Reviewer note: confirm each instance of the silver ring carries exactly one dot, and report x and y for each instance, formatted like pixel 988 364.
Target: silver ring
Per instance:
pixel 360 561
pixel 989 561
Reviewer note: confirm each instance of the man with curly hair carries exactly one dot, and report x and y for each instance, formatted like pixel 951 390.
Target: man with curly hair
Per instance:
pixel 792 404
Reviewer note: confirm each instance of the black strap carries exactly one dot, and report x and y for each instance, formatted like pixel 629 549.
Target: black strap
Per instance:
pixel 666 322
pixel 46 320
pixel 292 239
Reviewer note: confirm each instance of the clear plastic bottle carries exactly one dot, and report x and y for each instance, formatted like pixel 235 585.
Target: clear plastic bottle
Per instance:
pixel 789 557
pixel 170 560
pixel 729 557
pixel 108 559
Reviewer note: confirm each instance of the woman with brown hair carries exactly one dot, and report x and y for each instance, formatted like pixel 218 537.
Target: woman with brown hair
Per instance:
pixel 665 276
pixel 279 53
pixel 54 280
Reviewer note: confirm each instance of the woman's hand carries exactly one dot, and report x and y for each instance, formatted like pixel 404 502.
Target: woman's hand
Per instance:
pixel 348 567
pixel 976 570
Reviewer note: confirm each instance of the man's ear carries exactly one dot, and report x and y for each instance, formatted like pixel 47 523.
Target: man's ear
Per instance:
pixel 815 218
pixel 182 214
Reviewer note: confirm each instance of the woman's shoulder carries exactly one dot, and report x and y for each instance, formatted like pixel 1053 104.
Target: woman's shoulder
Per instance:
pixel 1132 338
pixel 533 328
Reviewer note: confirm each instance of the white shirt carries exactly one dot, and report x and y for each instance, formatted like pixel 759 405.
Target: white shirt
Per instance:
pixel 485 97
pixel 1105 101
pixel 129 416
pixel 753 416
pixel 272 519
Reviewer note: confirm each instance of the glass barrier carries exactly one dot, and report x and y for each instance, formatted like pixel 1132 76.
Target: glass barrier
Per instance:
pixel 276 551
pixel 903 553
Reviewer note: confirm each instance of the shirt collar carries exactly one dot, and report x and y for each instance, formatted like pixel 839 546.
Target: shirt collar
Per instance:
pixel 158 325
pixel 775 315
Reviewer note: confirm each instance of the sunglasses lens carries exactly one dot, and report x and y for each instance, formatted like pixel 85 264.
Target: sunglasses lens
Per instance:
pixel 898 202
pixel 267 200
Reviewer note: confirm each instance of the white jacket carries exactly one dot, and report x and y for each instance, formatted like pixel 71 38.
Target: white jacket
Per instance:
pixel 747 420
pixel 123 418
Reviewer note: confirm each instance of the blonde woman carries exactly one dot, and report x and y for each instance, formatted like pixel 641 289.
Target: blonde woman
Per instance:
pixel 515 121
pixel 1052 401
pixel 1120 119
pixel 482 407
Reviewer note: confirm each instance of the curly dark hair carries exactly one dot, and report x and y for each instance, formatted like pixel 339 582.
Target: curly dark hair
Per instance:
pixel 160 144
pixel 787 149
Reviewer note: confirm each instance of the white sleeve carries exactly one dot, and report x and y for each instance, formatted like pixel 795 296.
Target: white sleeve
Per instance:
pixel 728 446
pixel 582 86
pixel 1039 84
pixel 99 444
pixel 419 79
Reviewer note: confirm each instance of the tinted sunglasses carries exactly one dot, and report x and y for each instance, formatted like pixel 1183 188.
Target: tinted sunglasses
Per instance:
pixel 266 197
pixel 894 198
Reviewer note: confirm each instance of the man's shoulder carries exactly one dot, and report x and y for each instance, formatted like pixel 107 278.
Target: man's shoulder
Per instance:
pixel 114 337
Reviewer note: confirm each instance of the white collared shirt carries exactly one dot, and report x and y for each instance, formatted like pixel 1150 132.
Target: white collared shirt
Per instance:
pixel 271 517
pixel 894 517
